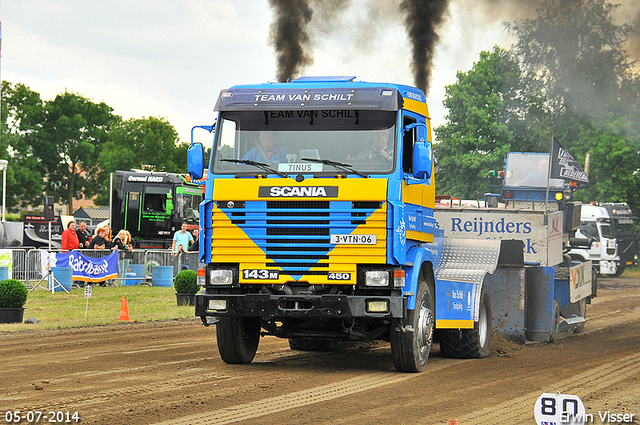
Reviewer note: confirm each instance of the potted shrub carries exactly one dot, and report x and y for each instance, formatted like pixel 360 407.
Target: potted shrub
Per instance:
pixel 13 295
pixel 186 286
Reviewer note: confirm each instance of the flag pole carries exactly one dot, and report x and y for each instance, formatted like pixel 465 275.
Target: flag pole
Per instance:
pixel 546 198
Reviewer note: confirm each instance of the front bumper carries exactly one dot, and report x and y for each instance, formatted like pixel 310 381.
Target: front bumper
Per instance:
pixel 299 306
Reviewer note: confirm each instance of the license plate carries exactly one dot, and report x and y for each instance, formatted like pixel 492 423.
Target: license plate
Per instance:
pixel 353 239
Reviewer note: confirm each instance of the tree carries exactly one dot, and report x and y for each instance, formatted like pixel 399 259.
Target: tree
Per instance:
pixel 20 106
pixel 485 121
pixel 67 143
pixel 148 143
pixel 615 171
pixel 575 52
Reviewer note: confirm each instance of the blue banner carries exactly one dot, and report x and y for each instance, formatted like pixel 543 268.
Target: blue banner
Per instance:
pixel 89 269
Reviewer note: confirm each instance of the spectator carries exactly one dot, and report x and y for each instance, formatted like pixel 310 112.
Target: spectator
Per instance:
pixel 98 241
pixel 181 239
pixel 122 242
pixel 83 235
pixel 195 245
pixel 108 238
pixel 70 238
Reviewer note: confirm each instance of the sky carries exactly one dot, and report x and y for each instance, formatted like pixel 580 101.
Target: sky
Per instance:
pixel 170 59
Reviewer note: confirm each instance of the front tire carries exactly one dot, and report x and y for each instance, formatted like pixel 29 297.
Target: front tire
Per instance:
pixel 238 339
pixel 470 343
pixel 619 271
pixel 412 337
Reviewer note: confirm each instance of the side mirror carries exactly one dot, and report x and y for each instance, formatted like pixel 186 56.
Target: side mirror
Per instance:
pixel 195 161
pixel 422 159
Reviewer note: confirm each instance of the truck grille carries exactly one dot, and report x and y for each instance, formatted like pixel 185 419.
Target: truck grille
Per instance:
pixel 295 236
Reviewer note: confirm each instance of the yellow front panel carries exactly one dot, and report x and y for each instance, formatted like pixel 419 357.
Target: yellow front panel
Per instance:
pixel 248 237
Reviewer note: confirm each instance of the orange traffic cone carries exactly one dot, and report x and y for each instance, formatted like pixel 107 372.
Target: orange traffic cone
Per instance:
pixel 453 422
pixel 124 311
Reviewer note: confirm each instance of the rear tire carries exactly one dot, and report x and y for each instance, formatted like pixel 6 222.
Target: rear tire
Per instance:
pixel 238 339
pixel 470 343
pixel 412 337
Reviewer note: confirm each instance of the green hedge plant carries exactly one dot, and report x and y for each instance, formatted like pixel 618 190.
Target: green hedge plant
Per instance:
pixel 13 293
pixel 186 282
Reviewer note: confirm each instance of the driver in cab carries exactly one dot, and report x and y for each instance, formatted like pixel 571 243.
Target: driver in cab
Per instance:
pixel 267 151
pixel 378 150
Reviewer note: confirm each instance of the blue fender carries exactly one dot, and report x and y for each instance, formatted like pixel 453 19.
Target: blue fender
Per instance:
pixel 416 256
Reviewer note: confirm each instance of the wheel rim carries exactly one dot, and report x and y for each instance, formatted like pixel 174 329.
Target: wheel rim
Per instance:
pixel 482 324
pixel 425 328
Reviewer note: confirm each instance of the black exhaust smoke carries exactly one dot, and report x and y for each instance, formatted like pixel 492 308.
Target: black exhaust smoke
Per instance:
pixel 422 19
pixel 289 36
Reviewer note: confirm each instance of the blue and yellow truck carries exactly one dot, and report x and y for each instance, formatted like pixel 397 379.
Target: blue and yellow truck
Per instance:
pixel 318 225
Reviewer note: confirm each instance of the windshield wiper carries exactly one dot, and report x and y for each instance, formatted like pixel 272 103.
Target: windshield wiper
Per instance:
pixel 340 166
pixel 260 165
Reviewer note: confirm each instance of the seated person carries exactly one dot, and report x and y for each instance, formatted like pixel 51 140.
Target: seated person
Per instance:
pixel 379 149
pixel 270 150
pixel 537 178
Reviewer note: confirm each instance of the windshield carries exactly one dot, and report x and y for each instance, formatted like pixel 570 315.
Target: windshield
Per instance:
pixel 187 200
pixel 362 139
pixel 529 170
pixel 625 226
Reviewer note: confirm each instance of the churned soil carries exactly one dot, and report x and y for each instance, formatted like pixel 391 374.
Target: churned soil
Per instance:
pixel 170 372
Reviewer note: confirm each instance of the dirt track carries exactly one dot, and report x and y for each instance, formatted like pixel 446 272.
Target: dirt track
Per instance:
pixel 170 372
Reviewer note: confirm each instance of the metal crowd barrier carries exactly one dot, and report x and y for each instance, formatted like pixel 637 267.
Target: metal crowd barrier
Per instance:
pixel 26 263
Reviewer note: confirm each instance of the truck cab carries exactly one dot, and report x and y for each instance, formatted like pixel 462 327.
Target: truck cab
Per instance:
pixel 153 205
pixel 318 225
pixel 609 237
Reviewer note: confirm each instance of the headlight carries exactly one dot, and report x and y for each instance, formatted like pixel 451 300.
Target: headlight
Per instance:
pixel 220 277
pixel 377 278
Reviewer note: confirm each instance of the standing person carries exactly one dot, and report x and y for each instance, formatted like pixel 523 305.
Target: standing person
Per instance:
pixel 70 238
pixel 83 235
pixel 98 241
pixel 108 238
pixel 122 243
pixel 195 245
pixel 181 239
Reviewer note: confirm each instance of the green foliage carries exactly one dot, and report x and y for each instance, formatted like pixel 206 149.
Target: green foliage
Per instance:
pixel 69 142
pixel 485 110
pixel 186 282
pixel 13 293
pixel 24 178
pixel 148 143
pixel 66 147
pixel 568 76
pixel 576 50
